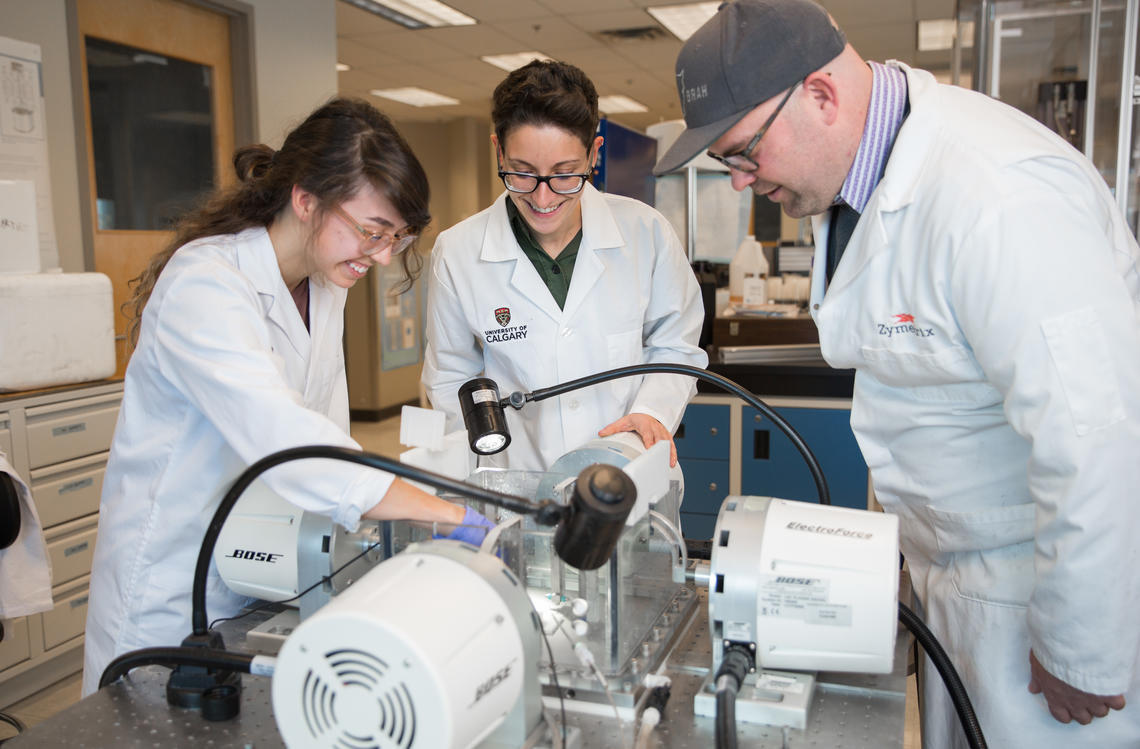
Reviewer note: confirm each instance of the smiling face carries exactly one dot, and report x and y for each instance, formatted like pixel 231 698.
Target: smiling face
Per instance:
pixel 545 150
pixel 337 249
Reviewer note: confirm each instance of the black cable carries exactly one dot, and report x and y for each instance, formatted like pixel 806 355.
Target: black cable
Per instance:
pixel 16 723
pixel 725 719
pixel 553 668
pixel 324 579
pixel 547 512
pixel 735 664
pixel 176 656
pixel 701 374
pixel 949 674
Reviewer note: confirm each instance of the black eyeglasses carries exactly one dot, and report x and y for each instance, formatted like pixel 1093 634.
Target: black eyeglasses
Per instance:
pixel 739 159
pixel 562 184
pixel 373 242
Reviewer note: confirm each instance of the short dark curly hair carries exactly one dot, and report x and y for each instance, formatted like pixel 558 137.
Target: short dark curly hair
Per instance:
pixel 547 92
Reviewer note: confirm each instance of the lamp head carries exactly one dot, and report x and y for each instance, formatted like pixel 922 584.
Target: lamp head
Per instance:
pixel 483 416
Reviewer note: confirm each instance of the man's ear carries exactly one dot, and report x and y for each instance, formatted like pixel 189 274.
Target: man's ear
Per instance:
pixel 824 96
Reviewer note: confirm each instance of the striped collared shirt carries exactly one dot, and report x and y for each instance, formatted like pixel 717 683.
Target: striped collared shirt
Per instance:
pixel 884 116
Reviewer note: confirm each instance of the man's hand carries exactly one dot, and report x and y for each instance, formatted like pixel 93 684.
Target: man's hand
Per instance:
pixel 648 428
pixel 1068 703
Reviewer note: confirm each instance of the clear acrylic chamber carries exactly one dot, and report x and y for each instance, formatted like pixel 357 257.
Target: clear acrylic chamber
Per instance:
pixel 627 613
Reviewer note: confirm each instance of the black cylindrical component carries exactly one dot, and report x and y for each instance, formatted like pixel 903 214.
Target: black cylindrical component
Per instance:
pixel 486 423
pixel 603 498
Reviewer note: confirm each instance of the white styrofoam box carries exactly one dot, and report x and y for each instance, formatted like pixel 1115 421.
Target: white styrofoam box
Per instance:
pixel 422 427
pixel 19 227
pixel 56 329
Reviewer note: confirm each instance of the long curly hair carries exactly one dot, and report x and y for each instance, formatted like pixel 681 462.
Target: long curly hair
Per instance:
pixel 340 147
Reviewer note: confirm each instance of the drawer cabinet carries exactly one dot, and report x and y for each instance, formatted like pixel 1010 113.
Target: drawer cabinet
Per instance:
pixel 69 490
pixel 726 447
pixel 71 548
pixel 71 429
pixel 66 620
pixel 58 441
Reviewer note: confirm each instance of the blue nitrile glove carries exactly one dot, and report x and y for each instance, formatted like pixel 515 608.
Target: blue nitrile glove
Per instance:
pixel 473 529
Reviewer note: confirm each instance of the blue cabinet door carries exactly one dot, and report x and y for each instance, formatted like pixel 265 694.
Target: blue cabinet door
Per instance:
pixel 706 486
pixel 772 466
pixel 703 432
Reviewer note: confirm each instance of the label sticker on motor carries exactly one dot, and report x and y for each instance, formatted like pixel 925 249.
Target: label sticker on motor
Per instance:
pixel 805 599
pixel 484 396
pixel 771 682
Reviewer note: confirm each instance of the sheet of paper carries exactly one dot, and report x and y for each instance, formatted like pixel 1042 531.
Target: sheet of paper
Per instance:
pixel 23 135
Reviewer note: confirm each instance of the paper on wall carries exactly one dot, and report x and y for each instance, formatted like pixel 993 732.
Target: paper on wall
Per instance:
pixel 23 135
pixel 19 237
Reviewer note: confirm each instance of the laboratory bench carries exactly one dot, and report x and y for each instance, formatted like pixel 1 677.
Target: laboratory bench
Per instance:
pixel 57 439
pixel 852 711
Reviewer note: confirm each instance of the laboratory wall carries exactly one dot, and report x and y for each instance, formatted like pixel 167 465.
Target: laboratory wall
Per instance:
pixel 294 69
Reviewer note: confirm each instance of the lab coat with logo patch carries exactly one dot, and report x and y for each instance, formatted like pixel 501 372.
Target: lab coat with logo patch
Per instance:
pixel 224 374
pixel 989 300
pixel 633 299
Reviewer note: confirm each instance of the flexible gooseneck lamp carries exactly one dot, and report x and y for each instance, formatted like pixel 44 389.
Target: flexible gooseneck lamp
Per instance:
pixel 485 418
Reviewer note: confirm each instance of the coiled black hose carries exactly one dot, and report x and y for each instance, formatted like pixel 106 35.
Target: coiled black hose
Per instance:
pixel 175 656
pixel 949 674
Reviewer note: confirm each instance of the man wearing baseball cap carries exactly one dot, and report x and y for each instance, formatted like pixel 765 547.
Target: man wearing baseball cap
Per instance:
pixel 975 271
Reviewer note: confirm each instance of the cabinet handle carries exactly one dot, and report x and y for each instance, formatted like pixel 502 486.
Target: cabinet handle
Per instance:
pixel 712 486
pixel 758 418
pixel 712 431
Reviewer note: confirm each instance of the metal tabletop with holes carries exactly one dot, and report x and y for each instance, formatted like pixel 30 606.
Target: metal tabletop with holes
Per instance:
pixel 852 711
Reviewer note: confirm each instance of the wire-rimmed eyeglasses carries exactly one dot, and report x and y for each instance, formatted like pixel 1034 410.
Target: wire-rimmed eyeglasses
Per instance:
pixel 740 159
pixel 374 242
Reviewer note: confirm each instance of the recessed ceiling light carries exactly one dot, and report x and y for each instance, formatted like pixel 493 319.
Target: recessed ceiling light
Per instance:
pixel 341 67
pixel 514 60
pixel 618 103
pixel 417 97
pixel 938 33
pixel 683 20
pixel 415 14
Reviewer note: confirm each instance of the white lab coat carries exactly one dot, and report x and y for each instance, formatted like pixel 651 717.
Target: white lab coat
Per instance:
pixel 988 300
pixel 633 299
pixel 224 374
pixel 25 567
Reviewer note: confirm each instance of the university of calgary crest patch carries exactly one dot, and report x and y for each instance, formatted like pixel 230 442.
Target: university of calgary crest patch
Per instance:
pixel 503 315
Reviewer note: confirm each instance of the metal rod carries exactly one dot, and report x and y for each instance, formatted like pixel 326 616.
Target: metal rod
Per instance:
pixel 1090 95
pixel 1127 97
pixel 691 213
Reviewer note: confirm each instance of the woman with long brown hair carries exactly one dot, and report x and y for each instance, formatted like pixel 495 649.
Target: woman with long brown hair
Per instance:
pixel 238 324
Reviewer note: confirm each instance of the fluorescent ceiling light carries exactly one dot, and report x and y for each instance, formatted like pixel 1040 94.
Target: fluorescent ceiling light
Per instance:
pixel 415 14
pixel 618 103
pixel 341 67
pixel 683 20
pixel 417 97
pixel 514 60
pixel 938 34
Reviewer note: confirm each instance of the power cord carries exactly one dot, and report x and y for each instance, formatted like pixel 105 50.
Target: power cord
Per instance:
pixel 324 579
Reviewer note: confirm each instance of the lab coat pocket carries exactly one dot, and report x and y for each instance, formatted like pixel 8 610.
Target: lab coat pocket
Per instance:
pixel 1081 357
pixel 978 530
pixel 996 577
pixel 949 375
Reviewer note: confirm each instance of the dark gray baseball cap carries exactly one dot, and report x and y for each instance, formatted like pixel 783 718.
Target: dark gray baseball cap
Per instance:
pixel 747 53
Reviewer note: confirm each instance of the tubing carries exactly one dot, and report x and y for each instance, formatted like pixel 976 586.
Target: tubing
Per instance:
pixel 949 674
pixel 683 369
pixel 208 657
pixel 725 715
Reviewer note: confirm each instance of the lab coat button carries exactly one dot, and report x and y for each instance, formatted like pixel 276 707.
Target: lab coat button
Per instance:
pixel 567 332
pixel 815 306
pixel 574 405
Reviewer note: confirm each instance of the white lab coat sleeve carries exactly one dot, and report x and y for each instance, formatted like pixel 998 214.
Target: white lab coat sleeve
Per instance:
pixel 671 330
pixel 212 344
pixel 453 354
pixel 1055 329
pixel 25 567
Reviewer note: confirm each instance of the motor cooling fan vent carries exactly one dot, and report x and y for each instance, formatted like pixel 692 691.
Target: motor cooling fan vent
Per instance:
pixel 353 702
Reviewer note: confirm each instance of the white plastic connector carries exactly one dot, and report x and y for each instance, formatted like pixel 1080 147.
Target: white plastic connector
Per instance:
pixel 581 627
pixel 579 606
